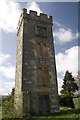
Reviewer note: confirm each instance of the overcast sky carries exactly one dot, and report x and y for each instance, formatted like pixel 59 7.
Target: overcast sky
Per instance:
pixel 65 32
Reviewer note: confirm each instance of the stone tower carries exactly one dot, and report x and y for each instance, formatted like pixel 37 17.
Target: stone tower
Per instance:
pixel 36 89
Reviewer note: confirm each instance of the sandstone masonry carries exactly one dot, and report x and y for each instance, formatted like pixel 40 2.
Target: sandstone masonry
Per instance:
pixel 36 89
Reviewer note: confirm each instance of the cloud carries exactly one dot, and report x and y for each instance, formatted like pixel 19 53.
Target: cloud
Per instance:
pixel 68 60
pixel 9 15
pixel 33 6
pixel 6 69
pixel 60 82
pixel 7 79
pixel 63 35
pixel 4 57
pixel 10 12
pixel 8 87
pixel 8 72
pixel 57 23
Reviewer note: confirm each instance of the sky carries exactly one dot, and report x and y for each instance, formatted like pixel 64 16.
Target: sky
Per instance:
pixel 65 33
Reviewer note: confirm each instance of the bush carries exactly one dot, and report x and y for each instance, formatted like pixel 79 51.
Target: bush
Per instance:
pixel 66 101
pixel 76 101
pixel 7 107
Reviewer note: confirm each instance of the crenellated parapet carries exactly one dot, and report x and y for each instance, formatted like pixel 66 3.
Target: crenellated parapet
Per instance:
pixel 33 15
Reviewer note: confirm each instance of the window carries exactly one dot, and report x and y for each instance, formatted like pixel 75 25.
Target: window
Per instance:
pixel 39 76
pixel 44 51
pixel 43 76
pixel 41 61
pixel 39 50
pixel 40 31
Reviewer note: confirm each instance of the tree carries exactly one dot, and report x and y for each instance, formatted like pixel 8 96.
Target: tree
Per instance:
pixel 8 106
pixel 69 86
pixel 77 80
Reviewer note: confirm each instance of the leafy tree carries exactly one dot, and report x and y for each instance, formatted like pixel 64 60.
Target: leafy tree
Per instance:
pixel 69 86
pixel 8 106
pixel 77 80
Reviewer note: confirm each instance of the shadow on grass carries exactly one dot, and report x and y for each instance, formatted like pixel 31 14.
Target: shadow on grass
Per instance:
pixel 62 112
pixel 75 111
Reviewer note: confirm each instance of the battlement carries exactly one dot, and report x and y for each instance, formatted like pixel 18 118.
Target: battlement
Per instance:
pixel 34 15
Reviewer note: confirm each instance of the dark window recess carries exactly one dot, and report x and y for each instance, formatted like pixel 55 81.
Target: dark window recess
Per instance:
pixel 43 76
pixel 41 61
pixel 41 31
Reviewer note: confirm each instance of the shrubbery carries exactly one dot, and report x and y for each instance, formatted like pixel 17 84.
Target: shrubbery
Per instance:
pixel 66 101
pixel 8 106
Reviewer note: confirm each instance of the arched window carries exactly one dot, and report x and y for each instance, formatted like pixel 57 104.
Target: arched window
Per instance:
pixel 39 50
pixel 46 80
pixel 44 51
pixel 43 76
pixel 39 76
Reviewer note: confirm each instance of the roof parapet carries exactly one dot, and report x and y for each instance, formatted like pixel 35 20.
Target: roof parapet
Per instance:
pixel 50 18
pixel 24 10
pixel 43 16
pixel 33 13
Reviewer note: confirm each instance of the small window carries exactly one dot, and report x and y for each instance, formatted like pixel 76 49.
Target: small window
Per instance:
pixel 39 76
pixel 40 31
pixel 46 80
pixel 43 76
pixel 39 50
pixel 44 51
pixel 41 61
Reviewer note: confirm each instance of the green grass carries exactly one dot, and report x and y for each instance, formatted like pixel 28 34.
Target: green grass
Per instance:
pixel 65 114
pixel 65 108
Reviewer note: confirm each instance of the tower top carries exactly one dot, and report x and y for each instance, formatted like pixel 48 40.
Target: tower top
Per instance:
pixel 33 15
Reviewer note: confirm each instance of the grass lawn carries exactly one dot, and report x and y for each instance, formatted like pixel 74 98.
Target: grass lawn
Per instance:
pixel 65 114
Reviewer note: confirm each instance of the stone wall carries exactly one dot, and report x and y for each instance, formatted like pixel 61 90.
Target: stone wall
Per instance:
pixel 33 29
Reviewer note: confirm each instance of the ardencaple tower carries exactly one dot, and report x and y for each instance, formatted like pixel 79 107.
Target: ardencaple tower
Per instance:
pixel 36 90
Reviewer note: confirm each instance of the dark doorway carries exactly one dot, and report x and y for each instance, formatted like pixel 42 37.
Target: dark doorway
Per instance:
pixel 43 104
